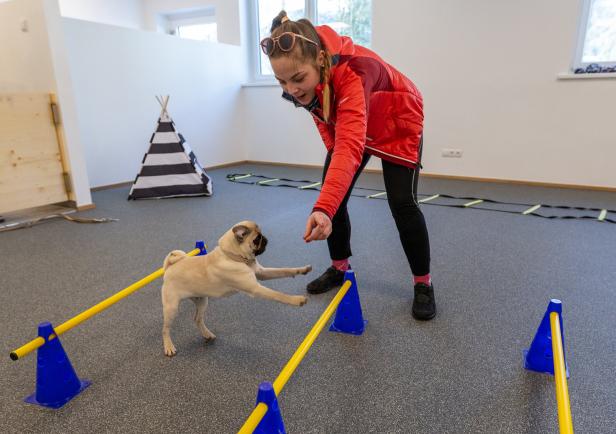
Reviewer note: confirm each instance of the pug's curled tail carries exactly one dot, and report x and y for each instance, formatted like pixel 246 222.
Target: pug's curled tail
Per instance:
pixel 173 257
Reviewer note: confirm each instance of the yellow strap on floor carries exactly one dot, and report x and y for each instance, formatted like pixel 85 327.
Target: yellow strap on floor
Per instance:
pixel 602 215
pixel 268 180
pixel 531 209
pixel 309 185
pixel 376 195
pixel 427 199
pixel 474 202
pixel 248 175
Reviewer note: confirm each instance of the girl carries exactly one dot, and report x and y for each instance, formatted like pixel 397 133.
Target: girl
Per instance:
pixel 362 106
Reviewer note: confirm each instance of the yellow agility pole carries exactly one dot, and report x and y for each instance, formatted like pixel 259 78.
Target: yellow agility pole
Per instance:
pixel 259 411
pixel 87 314
pixel 560 377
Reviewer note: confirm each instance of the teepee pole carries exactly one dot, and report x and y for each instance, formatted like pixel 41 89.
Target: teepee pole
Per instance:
pixel 166 100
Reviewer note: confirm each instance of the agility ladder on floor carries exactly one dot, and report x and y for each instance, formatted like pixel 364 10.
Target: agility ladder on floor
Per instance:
pixel 600 214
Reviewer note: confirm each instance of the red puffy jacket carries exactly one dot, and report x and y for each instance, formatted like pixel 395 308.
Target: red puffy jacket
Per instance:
pixel 374 109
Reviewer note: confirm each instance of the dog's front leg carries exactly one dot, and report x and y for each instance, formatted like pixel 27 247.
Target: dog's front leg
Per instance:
pixel 263 273
pixel 247 282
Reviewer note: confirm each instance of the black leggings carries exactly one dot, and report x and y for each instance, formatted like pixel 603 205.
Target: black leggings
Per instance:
pixel 401 187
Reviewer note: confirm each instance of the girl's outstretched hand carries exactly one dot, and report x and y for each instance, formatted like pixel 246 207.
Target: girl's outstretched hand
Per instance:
pixel 318 227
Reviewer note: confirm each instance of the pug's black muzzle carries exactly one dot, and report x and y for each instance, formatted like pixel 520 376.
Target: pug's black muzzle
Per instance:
pixel 260 243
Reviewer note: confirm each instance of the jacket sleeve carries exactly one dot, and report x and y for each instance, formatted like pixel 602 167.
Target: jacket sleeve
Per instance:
pixel 324 131
pixel 349 142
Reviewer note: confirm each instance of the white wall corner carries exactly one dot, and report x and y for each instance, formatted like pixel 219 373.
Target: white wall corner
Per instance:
pixel 64 90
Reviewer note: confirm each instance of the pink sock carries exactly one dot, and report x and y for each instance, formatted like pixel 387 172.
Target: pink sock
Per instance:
pixel 426 280
pixel 341 265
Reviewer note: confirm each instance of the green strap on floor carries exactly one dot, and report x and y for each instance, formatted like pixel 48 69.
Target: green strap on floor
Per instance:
pixel 248 175
pixel 602 215
pixel 474 202
pixel 268 180
pixel 302 187
pixel 531 209
pixel 376 195
pixel 428 199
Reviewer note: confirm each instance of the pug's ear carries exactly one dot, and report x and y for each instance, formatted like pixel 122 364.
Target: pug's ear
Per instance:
pixel 241 232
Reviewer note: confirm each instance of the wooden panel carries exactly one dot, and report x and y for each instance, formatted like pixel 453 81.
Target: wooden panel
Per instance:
pixel 31 172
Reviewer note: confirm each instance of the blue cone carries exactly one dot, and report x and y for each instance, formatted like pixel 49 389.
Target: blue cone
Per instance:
pixel 272 421
pixel 56 380
pixel 349 318
pixel 201 246
pixel 539 357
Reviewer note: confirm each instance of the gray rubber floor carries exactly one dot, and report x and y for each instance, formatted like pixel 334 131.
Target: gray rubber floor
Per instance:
pixel 494 274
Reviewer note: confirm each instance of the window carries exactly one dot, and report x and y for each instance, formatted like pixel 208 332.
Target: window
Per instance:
pixel 348 17
pixel 596 50
pixel 197 24
pixel 198 32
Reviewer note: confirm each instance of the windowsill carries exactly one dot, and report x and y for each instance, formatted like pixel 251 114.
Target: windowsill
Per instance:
pixel 264 83
pixel 572 76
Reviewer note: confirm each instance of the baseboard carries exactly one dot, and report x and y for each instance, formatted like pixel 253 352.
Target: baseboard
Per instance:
pixel 130 183
pixel 302 166
pixel 234 163
pixel 111 186
pixel 518 182
pixel 457 178
pixel 422 174
pixel 86 207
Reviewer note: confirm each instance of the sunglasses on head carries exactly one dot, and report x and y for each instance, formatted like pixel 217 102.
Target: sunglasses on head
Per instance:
pixel 286 42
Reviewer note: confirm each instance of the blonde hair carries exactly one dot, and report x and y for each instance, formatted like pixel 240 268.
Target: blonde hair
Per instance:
pixel 305 51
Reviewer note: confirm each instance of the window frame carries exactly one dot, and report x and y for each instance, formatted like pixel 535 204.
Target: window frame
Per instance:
pixel 581 37
pixel 310 12
pixel 175 20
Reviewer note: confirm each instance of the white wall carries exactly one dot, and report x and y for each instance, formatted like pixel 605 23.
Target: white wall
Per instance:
pixel 123 13
pixel 116 73
pixel 227 15
pixel 35 61
pixel 30 68
pixel 487 70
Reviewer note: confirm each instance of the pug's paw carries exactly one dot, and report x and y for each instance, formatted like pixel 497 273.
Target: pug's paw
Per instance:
pixel 300 300
pixel 170 350
pixel 306 269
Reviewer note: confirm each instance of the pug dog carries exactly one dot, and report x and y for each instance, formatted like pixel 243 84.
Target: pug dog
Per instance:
pixel 230 268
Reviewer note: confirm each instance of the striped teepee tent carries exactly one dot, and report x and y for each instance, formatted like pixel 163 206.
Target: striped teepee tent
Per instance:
pixel 170 168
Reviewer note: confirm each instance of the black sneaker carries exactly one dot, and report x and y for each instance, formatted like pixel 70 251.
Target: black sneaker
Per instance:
pixel 327 281
pixel 424 307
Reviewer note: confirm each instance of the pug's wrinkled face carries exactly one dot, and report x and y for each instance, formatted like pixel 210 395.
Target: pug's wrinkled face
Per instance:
pixel 249 237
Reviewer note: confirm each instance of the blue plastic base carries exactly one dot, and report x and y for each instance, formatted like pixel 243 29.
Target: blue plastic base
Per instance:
pixel 529 367
pixel 332 328
pixel 539 356
pixel 272 421
pixel 55 405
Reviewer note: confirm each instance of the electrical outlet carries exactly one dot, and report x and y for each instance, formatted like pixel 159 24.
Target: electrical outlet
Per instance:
pixel 452 153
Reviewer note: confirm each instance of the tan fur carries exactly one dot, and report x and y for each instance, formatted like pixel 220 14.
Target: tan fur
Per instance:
pixel 173 257
pixel 228 269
